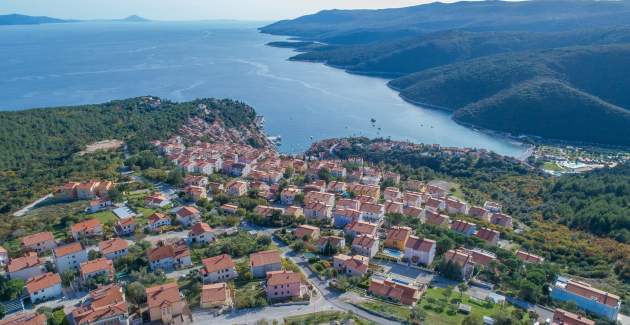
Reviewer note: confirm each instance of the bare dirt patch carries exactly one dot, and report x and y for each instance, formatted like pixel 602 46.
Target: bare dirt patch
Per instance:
pixel 101 145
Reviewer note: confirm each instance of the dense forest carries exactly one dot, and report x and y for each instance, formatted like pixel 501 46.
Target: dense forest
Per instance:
pixel 523 68
pixel 38 148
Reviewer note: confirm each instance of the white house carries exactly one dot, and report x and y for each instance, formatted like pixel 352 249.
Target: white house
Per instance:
pixel 26 267
pixel 218 269
pixel 419 250
pixel 157 221
pixel 69 256
pixel 169 256
pixel 187 216
pixel 372 212
pixel 44 287
pixel 201 233
pixel 365 245
pixel 114 248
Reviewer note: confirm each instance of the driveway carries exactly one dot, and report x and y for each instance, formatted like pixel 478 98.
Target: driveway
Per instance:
pixel 404 273
pixel 167 235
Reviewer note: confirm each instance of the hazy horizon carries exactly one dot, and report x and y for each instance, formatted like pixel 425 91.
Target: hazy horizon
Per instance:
pixel 255 10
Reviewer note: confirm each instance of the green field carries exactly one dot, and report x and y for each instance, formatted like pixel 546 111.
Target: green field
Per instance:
pixel 381 307
pixel 323 317
pixel 446 316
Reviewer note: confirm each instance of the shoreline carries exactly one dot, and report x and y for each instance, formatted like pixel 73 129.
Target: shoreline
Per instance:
pixel 524 140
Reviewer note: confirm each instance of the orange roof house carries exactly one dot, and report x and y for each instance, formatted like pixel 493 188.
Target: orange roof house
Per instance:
pixel 216 295
pixel 166 303
pixel 405 294
pixel 265 261
pixel 86 228
pixel 106 304
pixel 97 267
pixel 306 230
pixel 397 237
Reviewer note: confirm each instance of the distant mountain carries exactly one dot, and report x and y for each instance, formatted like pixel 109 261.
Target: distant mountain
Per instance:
pixel 407 55
pixel 134 18
pixel 361 26
pixel 548 68
pixel 15 19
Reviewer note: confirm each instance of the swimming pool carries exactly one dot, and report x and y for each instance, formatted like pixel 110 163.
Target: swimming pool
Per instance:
pixel 393 253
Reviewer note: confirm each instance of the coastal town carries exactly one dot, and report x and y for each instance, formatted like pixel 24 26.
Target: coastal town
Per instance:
pixel 239 234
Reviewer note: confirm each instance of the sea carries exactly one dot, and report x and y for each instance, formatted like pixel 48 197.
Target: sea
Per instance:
pixel 94 62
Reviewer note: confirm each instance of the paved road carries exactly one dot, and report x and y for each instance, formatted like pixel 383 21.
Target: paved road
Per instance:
pixel 334 298
pixel 30 207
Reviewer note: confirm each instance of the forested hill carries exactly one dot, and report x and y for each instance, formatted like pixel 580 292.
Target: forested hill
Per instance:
pixel 362 26
pixel 38 147
pixel 568 94
pixel 542 68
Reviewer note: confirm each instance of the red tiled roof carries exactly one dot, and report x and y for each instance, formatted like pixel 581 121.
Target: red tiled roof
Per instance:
pixel 216 263
pixel 563 317
pixel 187 211
pixel 264 258
pixel 361 227
pixel 112 245
pixel 42 281
pixel 155 217
pixel 39 237
pixel 282 277
pixel 398 233
pixel 24 262
pixel 97 265
pixel 68 249
pixel 200 228
pixel 586 290
pixel 462 225
pixel 163 294
pixel 386 288
pixel 216 292
pixel 106 302
pixel 364 241
pixel 27 318
pixel 421 245
pixel 303 230
pixel 487 234
pixel 86 225
pixel 528 257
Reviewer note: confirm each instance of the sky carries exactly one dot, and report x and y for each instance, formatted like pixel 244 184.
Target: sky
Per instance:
pixel 189 9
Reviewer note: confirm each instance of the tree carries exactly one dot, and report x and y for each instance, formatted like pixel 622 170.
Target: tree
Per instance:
pixel 472 319
pixel 68 277
pixel 324 174
pixel 136 293
pixel 450 270
pixel 176 177
pixel 462 287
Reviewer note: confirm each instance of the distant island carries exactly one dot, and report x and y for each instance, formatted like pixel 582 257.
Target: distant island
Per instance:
pixel 17 19
pixel 133 19
pixel 561 78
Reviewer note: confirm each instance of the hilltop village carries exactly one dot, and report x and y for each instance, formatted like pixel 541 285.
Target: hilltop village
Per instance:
pixel 201 230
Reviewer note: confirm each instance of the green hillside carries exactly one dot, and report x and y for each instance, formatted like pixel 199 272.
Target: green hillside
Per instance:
pixel 38 147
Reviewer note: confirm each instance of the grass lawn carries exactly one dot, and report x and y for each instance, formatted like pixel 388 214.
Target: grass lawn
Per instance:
pixel 250 295
pixel 436 315
pixel 552 166
pixel 324 317
pixel 104 216
pixel 381 307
